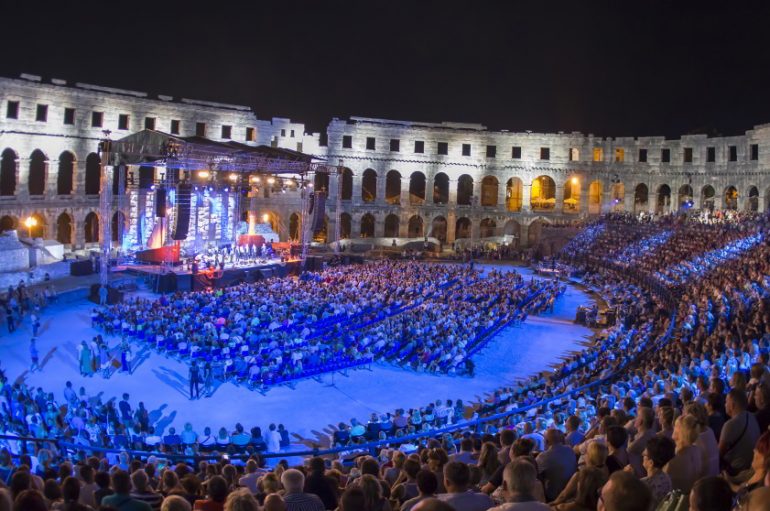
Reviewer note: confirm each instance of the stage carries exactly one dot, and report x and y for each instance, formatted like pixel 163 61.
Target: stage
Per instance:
pixel 168 279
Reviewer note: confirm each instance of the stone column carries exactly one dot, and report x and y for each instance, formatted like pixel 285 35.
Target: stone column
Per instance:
pixel 524 236
pixel 526 197
pixel 452 192
pixel 451 225
pixel 380 199
pixel 404 198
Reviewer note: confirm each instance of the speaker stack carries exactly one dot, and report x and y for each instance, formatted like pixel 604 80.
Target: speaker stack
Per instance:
pixel 182 211
pixel 160 202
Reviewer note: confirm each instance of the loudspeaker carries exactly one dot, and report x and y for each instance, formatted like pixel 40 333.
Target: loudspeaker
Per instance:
pixel 160 202
pixel 319 212
pixel 182 212
pixel 80 268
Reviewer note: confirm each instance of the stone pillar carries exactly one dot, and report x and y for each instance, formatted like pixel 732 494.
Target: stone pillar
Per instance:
pixel 559 206
pixel 404 191
pixel 429 190
pixel 355 227
pixel 357 189
pixel 583 197
pixel 524 236
pixel 453 191
pixel 22 179
pixel 451 225
pixel 501 205
pixel 628 201
pixel 380 189
pixel 526 197
pixel 379 225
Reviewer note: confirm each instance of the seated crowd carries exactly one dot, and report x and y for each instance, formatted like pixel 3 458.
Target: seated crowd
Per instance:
pixel 670 406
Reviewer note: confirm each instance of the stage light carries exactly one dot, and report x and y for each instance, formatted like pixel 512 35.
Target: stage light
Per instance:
pixel 310 185
pixel 271 180
pixel 30 222
pixel 254 179
pixel 574 180
pixel 152 187
pixel 265 218
pixel 203 174
pixel 233 177
pixel 227 189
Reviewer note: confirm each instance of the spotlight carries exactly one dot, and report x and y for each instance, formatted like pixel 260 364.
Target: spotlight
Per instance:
pixel 227 189
pixel 271 180
pixel 233 177
pixel 254 179
pixel 265 218
pixel 152 187
pixel 203 174
pixel 574 180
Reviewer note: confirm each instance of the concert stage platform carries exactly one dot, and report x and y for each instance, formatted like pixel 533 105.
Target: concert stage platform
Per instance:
pixel 168 280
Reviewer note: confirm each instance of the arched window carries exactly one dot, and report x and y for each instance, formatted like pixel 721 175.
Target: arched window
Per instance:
pixel 8 223
pixel 685 197
pixel 367 226
pixel 93 174
pixel 595 191
pixel 753 202
pixel 391 226
pixel 415 227
pixel 346 185
pixel 66 173
pixel 462 228
pixel 707 196
pixel 393 187
pixel 8 173
pixel 417 188
pixel 663 204
pixel 345 223
pixel 489 191
pixel 487 228
pixel 543 194
pixel 731 198
pixel 572 195
pixel 37 171
pixel 321 181
pixel 440 188
pixel 39 229
pixel 464 190
pixel 641 197
pixel 369 186
pixel 513 195
pixel 618 196
pixel 91 228
pixel 438 229
pixel 64 229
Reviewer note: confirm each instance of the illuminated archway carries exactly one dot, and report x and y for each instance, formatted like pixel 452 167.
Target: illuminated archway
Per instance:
pixel 663 203
pixel 543 194
pixel 731 198
pixel 513 194
pixel 618 197
pixel 708 195
pixel 595 191
pixel 572 196
pixel 91 228
pixel 64 225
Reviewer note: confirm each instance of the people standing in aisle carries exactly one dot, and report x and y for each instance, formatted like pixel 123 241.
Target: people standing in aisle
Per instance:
pixel 103 294
pixel 195 380
pixel 125 357
pixel 85 359
pixel 34 355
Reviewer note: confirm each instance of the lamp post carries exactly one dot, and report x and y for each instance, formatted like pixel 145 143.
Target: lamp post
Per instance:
pixel 30 222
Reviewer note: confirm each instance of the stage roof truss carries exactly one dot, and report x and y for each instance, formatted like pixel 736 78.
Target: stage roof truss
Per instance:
pixel 150 148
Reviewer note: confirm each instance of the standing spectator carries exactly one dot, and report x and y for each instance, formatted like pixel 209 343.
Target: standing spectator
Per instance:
pixel 273 439
pixel 293 482
pixel 195 381
pixel 556 464
pixel 34 355
pixel 739 434
pixel 686 466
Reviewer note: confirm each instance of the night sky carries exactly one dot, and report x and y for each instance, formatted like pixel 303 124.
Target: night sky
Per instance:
pixel 610 68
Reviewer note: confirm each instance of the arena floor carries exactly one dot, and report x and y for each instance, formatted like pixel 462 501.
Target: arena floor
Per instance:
pixel 311 406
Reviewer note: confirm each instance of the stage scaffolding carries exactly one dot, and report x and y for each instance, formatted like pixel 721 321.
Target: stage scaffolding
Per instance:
pixel 190 154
